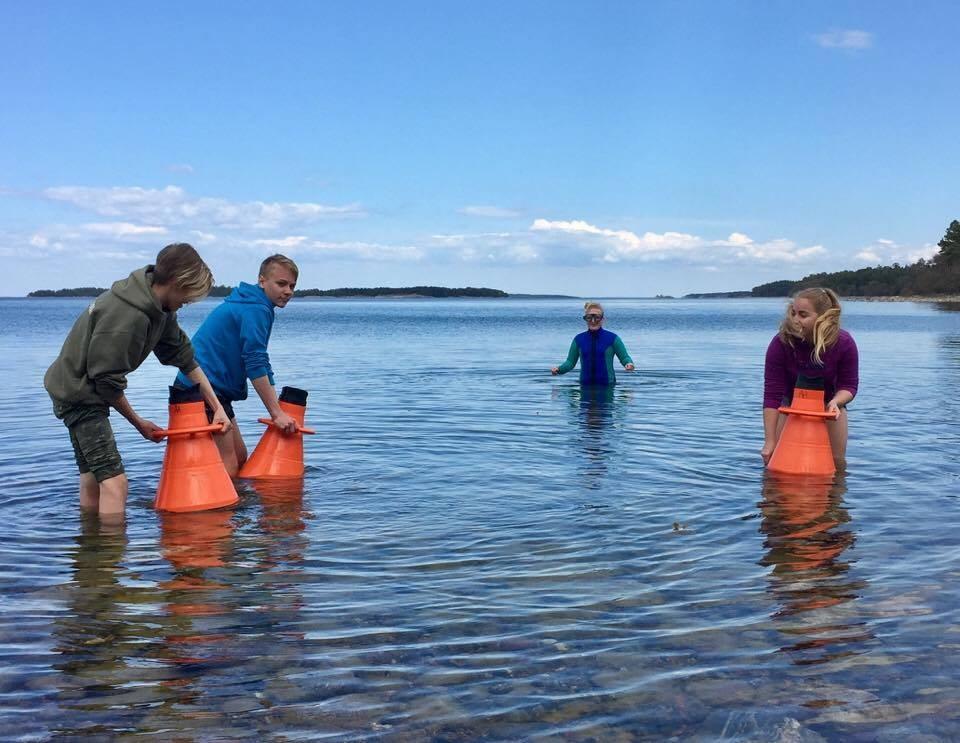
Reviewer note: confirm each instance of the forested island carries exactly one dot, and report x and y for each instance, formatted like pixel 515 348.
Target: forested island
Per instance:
pixel 939 276
pixel 440 292
pixel 80 291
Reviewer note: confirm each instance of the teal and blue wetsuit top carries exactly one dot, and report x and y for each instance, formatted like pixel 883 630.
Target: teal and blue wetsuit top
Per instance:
pixel 595 350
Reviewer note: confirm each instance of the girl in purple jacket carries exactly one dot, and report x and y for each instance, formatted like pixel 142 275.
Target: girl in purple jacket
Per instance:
pixel 810 342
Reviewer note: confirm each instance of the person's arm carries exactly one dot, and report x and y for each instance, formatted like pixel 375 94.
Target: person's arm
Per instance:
pixel 848 377
pixel 255 326
pixel 111 354
pixel 621 351
pixel 174 347
pixel 269 397
pixel 146 428
pixel 770 418
pixel 773 391
pixel 573 355
pixel 197 376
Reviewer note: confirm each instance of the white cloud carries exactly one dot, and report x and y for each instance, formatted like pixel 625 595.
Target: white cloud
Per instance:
pixel 364 251
pixel 202 238
pixel 885 252
pixel 578 242
pixel 620 245
pixel 489 211
pixel 173 207
pixel 180 168
pixel 299 245
pixel 121 230
pixel 738 238
pixel 282 243
pixel 845 39
pixel 779 250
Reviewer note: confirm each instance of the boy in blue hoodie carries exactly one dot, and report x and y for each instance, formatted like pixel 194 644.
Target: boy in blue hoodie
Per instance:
pixel 231 346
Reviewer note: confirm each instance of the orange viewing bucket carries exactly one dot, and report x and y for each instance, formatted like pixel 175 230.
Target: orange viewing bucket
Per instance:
pixel 193 476
pixel 804 444
pixel 279 454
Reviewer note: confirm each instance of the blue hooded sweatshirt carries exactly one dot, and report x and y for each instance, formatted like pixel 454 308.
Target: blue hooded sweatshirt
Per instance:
pixel 231 344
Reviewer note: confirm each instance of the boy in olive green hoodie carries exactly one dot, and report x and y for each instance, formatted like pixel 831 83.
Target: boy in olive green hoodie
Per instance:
pixel 110 339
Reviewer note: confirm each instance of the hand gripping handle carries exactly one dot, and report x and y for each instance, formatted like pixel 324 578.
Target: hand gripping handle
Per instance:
pixel 300 429
pixel 809 413
pixel 187 431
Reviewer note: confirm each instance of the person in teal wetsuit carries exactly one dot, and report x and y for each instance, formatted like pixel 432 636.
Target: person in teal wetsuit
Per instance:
pixel 595 349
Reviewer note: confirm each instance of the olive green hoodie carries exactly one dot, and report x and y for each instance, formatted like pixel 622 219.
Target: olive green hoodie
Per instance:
pixel 110 339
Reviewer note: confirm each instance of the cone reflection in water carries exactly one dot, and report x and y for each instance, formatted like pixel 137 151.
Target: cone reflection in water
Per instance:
pixel 195 544
pixel 806 531
pixel 286 491
pixel 193 477
pixel 196 540
pixel 804 444
pixel 278 454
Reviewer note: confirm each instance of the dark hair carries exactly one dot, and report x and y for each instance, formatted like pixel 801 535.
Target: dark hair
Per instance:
pixel 279 260
pixel 180 264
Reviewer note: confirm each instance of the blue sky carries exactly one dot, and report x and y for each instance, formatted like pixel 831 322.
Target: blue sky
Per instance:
pixel 602 149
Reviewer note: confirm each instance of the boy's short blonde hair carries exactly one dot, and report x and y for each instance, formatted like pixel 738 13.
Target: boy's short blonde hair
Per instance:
pixel 279 260
pixel 587 306
pixel 181 265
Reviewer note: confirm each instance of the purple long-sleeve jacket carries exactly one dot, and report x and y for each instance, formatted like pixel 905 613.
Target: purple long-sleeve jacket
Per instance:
pixel 840 368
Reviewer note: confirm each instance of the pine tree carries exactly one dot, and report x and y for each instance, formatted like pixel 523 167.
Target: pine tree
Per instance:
pixel 950 245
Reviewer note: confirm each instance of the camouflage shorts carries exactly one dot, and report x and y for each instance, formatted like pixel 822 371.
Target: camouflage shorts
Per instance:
pixel 94 446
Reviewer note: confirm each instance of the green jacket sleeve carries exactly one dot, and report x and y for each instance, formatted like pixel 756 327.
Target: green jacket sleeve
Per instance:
pixel 621 351
pixel 174 347
pixel 573 355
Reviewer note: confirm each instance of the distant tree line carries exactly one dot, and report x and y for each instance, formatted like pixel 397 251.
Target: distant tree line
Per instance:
pixel 80 291
pixel 404 291
pixel 381 291
pixel 940 275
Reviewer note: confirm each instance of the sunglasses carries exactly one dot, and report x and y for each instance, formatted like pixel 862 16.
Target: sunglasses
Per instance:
pixel 593 318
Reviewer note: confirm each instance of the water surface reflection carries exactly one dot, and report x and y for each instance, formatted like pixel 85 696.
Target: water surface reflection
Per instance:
pixel 807 531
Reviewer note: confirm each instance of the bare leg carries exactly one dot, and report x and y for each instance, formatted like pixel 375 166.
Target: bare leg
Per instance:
pixel 89 492
pixel 232 450
pixel 838 430
pixel 113 499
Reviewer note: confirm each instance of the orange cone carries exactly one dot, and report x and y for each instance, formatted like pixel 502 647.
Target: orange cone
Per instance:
pixel 804 444
pixel 193 477
pixel 280 455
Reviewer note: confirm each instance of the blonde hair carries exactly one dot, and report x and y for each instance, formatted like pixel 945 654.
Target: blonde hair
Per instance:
pixel 279 260
pixel 826 328
pixel 180 264
pixel 588 304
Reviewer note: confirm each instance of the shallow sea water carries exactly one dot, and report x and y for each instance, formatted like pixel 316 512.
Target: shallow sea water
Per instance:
pixel 480 551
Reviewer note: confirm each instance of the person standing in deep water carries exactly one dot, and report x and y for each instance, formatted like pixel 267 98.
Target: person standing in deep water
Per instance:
pixel 811 343
pixel 595 349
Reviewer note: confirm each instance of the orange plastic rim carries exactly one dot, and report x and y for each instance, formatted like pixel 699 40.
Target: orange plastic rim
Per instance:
pixel 300 429
pixel 808 413
pixel 185 431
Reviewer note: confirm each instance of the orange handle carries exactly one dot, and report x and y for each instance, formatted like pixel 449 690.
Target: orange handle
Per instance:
pixel 300 429
pixel 808 413
pixel 186 431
